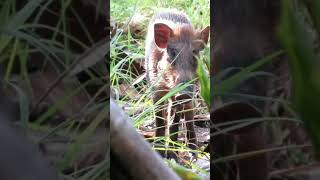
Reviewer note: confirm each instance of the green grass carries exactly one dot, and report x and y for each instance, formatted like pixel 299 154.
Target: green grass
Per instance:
pixel 139 106
pixel 301 46
pixel 299 34
pixel 18 41
pixel 198 10
pixel 297 41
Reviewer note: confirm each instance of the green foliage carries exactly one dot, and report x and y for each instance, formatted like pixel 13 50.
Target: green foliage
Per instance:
pixel 184 173
pixel 19 39
pixel 204 83
pixel 304 64
pixel 225 86
pixel 197 10
pixel 127 48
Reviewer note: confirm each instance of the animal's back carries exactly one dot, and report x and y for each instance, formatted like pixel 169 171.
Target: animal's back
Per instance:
pixel 172 15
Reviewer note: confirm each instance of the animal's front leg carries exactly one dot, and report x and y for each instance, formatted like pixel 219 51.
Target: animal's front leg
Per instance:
pixel 174 129
pixel 161 121
pixel 188 116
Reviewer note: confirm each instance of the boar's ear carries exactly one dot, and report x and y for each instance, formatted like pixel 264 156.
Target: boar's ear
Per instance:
pixel 162 33
pixel 203 35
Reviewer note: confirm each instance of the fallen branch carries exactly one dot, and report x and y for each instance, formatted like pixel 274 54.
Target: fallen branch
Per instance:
pixel 132 152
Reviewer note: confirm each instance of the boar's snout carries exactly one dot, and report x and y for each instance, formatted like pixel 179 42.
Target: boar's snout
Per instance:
pixel 186 93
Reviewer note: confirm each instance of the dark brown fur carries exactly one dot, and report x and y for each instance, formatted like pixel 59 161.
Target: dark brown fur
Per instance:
pixel 244 32
pixel 171 49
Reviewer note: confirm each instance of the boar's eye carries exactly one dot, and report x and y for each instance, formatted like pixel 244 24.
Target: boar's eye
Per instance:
pixel 195 52
pixel 172 52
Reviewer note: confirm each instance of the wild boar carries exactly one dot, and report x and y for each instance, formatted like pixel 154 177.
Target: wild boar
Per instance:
pixel 171 50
